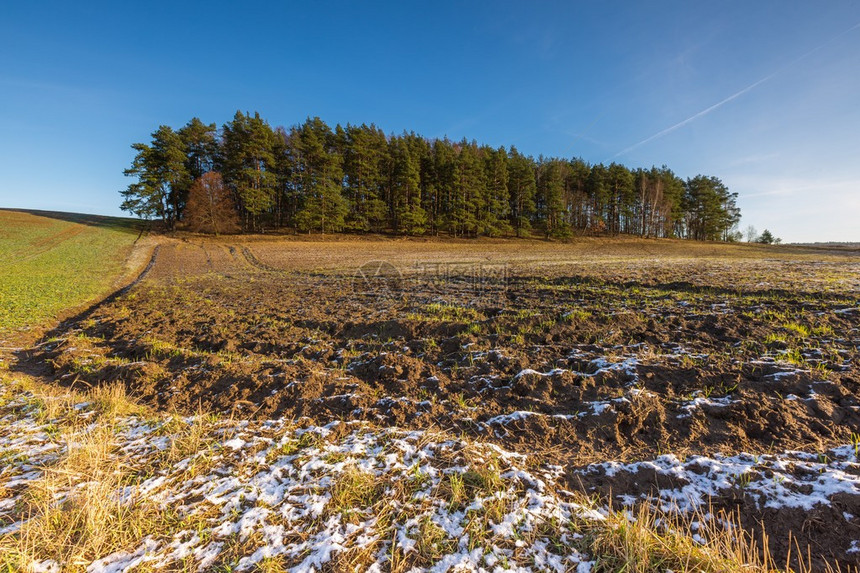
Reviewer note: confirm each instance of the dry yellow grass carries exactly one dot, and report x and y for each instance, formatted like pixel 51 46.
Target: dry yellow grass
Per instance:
pixel 76 511
pixel 704 542
pixel 81 510
pixel 656 541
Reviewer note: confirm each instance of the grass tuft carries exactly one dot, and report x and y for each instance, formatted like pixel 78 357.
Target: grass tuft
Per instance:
pixel 651 540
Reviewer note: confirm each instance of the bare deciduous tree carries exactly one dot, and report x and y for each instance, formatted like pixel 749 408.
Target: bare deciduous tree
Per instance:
pixel 210 207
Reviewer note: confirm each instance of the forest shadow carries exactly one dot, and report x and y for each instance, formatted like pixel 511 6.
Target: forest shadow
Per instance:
pixel 122 224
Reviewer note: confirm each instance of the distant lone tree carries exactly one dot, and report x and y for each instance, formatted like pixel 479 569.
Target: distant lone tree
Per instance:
pixel 751 233
pixel 210 207
pixel 767 238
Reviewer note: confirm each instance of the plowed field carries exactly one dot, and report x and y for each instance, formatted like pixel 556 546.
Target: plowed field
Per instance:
pixel 644 369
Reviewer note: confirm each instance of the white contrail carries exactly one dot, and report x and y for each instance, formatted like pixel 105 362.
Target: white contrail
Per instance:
pixel 694 117
pixel 733 96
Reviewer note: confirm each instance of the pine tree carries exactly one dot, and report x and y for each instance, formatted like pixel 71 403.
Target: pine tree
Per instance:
pixel 496 201
pixel 441 186
pixel 710 209
pixel 550 198
pixel 521 187
pixel 621 195
pixel 673 203
pixel 404 196
pixel 248 164
pixel 201 146
pixel 577 204
pixel 766 238
pixel 285 199
pixel 319 176
pixel 365 156
pixel 469 191
pixel 163 178
pixel 598 193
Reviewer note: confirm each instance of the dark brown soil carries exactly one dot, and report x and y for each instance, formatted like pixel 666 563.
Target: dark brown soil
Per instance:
pixel 575 360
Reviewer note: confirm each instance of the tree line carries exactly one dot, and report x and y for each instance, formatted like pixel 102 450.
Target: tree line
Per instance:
pixel 313 178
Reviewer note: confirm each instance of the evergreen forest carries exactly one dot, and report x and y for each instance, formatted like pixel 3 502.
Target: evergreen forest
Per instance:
pixel 315 178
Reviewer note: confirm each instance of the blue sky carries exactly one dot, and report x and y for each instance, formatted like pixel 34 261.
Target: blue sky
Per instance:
pixel 764 95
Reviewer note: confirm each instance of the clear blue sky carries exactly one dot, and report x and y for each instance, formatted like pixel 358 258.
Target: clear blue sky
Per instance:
pixel 764 95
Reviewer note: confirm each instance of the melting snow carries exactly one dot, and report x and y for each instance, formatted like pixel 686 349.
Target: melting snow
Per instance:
pixel 791 479
pixel 278 502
